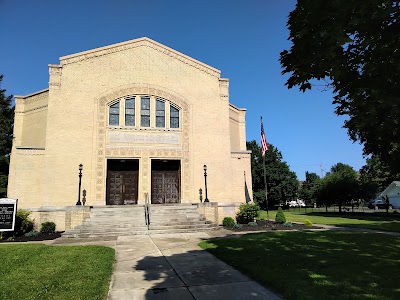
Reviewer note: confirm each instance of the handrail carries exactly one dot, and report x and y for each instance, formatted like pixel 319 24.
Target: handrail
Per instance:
pixel 147 210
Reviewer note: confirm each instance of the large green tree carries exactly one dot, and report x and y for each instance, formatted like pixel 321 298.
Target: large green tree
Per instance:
pixel 6 136
pixel 376 176
pixel 282 183
pixel 339 186
pixel 352 46
pixel 306 189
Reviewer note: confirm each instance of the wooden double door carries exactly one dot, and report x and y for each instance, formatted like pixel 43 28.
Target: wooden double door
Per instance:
pixel 165 187
pixel 122 187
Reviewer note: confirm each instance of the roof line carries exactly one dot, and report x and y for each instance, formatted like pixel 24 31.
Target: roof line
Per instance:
pixel 33 94
pixel 142 39
pixel 234 106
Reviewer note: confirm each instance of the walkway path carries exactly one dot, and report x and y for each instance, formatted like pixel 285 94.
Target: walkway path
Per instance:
pixel 173 266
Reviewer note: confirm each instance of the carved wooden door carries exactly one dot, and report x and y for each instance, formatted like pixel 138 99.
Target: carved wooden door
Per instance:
pixel 114 191
pixel 165 187
pixel 122 187
pixel 130 186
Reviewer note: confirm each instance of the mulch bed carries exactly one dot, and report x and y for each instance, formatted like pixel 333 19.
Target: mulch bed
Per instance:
pixel 40 237
pixel 270 226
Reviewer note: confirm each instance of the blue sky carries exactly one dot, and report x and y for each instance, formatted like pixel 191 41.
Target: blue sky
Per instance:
pixel 243 39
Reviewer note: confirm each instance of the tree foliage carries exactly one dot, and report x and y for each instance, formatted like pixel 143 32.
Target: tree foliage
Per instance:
pixel 339 186
pixel 6 136
pixel 376 176
pixel 353 46
pixel 282 183
pixel 307 188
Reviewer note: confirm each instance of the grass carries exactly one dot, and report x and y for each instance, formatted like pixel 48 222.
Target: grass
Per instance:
pixel 360 220
pixel 316 265
pixel 37 271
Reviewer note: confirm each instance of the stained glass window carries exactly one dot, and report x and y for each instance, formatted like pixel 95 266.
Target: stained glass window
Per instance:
pixel 174 117
pixel 160 113
pixel 114 114
pixel 130 112
pixel 145 111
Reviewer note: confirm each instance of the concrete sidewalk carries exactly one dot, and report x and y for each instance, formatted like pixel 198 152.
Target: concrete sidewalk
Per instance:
pixel 171 266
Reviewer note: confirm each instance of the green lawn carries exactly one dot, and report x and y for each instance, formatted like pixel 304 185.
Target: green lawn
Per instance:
pixel 36 271
pixel 316 265
pixel 362 220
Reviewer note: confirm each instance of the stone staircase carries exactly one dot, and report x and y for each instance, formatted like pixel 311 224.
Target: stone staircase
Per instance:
pixel 117 220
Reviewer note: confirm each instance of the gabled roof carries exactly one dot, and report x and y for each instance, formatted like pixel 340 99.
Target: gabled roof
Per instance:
pixel 390 186
pixel 140 42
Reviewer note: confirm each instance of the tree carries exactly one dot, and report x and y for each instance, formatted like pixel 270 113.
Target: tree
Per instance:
pixel 339 186
pixel 375 176
pixel 353 46
pixel 282 183
pixel 6 136
pixel 306 189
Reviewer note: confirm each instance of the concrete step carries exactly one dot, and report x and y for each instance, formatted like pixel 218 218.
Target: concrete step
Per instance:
pixel 130 220
pixel 173 227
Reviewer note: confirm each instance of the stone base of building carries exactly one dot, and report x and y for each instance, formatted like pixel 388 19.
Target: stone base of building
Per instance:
pixel 69 217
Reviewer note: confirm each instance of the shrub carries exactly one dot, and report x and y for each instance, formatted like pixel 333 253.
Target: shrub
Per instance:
pixel 48 228
pixel 247 213
pixel 308 222
pixel 32 233
pixel 254 224
pixel 288 224
pixel 237 226
pixel 23 223
pixel 228 222
pixel 280 216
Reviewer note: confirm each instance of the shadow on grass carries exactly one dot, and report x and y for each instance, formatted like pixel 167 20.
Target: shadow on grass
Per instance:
pixel 317 265
pixel 355 215
pixel 375 221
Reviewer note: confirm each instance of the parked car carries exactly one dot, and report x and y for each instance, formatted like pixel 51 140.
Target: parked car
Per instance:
pixel 296 203
pixel 378 204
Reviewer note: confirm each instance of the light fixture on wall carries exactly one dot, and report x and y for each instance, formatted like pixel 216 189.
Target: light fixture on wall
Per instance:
pixel 205 182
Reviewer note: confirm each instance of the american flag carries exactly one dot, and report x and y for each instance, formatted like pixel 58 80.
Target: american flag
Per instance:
pixel 264 144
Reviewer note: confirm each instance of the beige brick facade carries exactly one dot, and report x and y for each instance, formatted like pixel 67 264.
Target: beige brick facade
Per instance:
pixel 67 124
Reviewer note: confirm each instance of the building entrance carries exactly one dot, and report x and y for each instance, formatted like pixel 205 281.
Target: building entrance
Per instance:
pixel 165 181
pixel 122 181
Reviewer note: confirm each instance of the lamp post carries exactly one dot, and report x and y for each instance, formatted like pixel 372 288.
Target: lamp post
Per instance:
pixel 80 182
pixel 205 182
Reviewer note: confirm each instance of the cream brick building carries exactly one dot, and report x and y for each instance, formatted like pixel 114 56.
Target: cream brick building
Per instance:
pixel 142 118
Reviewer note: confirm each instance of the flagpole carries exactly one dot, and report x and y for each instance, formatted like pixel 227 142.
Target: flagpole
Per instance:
pixel 265 179
pixel 266 190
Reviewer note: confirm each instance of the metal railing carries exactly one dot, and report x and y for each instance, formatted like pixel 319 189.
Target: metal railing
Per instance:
pixel 147 210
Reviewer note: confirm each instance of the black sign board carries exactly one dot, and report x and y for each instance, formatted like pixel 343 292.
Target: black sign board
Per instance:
pixel 7 214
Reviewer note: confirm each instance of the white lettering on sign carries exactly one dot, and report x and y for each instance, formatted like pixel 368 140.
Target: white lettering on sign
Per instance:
pixel 170 138
pixel 8 209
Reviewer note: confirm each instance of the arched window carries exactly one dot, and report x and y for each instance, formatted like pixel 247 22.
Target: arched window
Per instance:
pixel 160 113
pixel 114 114
pixel 145 111
pixel 130 111
pixel 174 117
pixel 142 111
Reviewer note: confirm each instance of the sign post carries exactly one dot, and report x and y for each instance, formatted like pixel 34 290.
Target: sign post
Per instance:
pixel 8 210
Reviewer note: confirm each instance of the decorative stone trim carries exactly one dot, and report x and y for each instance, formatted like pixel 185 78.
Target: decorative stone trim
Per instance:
pixel 55 75
pixel 142 42
pixel 145 154
pixel 241 154
pixel 30 151
pixel 32 109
